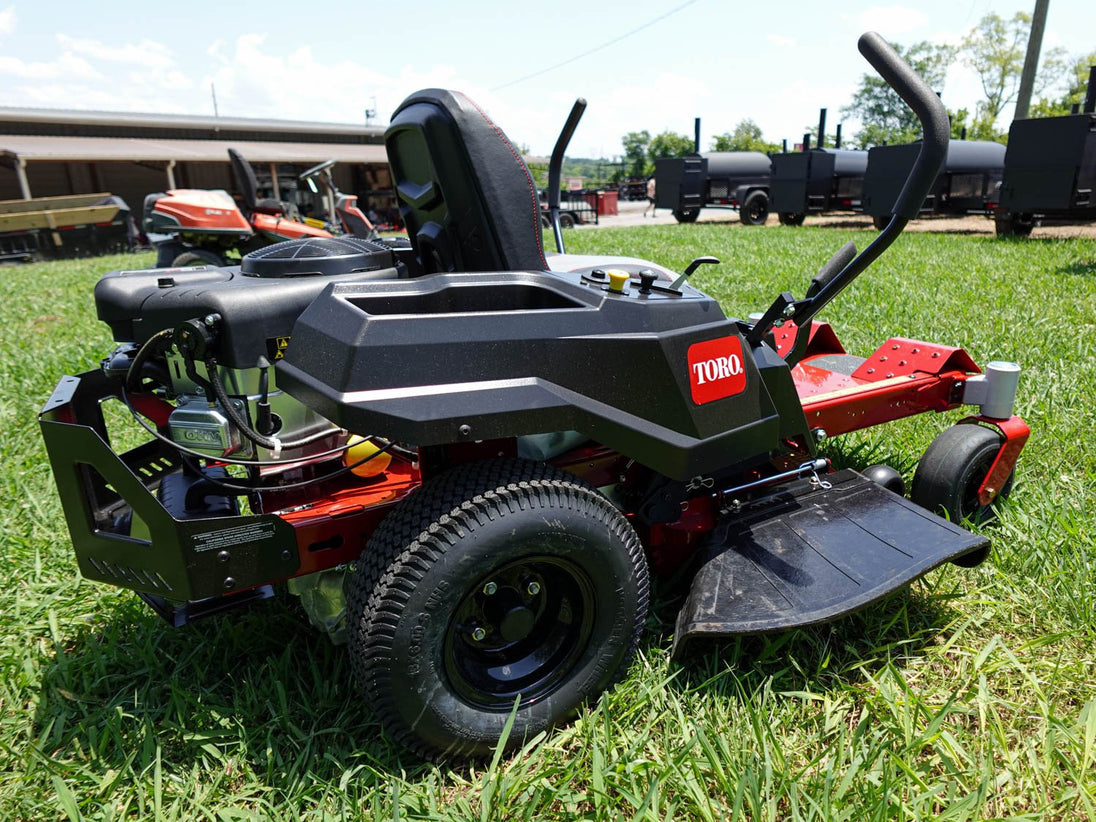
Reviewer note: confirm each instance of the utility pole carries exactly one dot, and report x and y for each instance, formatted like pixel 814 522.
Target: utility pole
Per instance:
pixel 1031 60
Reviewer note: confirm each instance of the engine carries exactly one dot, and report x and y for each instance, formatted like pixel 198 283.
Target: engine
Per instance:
pixel 205 339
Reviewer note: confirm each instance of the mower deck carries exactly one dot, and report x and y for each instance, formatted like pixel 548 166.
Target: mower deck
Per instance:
pixel 812 553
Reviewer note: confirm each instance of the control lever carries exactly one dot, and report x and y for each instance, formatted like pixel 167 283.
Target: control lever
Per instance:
pixel 832 268
pixel 691 267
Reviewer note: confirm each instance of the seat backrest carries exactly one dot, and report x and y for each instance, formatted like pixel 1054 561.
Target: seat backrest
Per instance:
pixel 466 197
pixel 245 179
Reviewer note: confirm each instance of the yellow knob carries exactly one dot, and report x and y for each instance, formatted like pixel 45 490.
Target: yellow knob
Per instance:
pixel 359 449
pixel 618 280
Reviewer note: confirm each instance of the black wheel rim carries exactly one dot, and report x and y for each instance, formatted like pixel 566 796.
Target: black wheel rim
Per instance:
pixel 520 630
pixel 969 505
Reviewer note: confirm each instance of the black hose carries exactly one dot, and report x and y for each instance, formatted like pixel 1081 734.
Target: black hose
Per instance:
pixel 270 443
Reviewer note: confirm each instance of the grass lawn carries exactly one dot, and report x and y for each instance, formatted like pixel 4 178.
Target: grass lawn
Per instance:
pixel 971 696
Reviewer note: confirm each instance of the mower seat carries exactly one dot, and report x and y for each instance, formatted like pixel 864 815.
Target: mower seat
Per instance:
pixel 465 195
pixel 249 188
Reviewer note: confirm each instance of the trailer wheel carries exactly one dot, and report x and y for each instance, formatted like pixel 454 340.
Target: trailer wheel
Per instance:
pixel 953 468
pixel 198 257
pixel 755 209
pixel 686 215
pixel 566 220
pixel 880 221
pixel 497 581
pixel 790 218
pixel 1008 224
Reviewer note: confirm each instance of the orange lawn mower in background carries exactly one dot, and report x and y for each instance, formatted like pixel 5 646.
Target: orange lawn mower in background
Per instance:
pixel 208 226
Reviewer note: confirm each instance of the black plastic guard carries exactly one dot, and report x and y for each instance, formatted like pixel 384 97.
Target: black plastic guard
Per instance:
pixel 812 554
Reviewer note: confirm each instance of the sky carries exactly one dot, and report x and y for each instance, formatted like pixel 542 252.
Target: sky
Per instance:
pixel 640 64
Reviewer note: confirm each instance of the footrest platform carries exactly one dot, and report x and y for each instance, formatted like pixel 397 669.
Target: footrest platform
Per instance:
pixel 810 554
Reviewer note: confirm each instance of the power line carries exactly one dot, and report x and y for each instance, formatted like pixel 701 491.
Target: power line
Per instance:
pixel 604 45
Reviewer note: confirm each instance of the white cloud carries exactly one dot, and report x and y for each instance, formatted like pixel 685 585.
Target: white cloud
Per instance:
pixel 146 53
pixel 891 21
pixel 7 20
pixel 782 42
pixel 66 66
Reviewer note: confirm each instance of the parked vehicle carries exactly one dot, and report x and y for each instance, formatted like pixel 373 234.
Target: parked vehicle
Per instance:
pixel 966 184
pixel 74 225
pixel 736 180
pixel 1050 170
pixel 575 208
pixel 344 216
pixel 816 181
pixel 208 227
pixel 633 190
pixel 492 447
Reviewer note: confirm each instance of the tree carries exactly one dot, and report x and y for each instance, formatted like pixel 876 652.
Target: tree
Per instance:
pixel 669 144
pixel 884 117
pixel 1076 86
pixel 745 137
pixel 635 144
pixel 960 128
pixel 995 50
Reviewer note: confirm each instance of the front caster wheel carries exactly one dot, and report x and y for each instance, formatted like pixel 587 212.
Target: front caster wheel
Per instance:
pixel 952 470
pixel 499 581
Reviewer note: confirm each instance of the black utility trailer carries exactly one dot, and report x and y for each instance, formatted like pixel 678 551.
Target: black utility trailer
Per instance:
pixel 575 208
pixel 738 180
pixel 1050 170
pixel 966 184
pixel 814 181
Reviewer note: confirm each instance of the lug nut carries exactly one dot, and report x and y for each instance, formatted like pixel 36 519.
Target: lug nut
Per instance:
pixel 490 588
pixel 478 634
pixel 533 588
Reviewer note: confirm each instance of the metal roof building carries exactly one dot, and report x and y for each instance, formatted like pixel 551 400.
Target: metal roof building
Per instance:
pixel 52 152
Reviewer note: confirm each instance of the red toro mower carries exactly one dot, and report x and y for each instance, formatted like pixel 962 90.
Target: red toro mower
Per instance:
pixel 204 227
pixel 466 454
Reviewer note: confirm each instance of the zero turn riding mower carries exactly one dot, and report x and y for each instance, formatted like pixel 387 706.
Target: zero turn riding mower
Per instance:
pixel 490 447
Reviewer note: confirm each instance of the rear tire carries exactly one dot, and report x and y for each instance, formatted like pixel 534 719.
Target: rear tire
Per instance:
pixel 790 218
pixel 496 580
pixel 686 215
pixel 754 209
pixel 198 257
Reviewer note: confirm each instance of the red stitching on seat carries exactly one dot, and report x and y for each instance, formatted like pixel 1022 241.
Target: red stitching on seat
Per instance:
pixel 522 166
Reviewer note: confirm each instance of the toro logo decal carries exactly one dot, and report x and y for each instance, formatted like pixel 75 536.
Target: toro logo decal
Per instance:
pixel 716 369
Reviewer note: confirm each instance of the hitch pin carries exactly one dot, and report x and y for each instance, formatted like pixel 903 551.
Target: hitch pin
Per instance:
pixel 810 469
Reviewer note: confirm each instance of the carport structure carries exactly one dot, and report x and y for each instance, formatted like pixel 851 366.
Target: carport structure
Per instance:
pixel 55 153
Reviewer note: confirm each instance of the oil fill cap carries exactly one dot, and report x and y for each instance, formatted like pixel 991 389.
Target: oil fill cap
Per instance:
pixel 618 280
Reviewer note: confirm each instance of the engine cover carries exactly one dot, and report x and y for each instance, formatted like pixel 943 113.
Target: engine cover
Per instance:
pixel 258 301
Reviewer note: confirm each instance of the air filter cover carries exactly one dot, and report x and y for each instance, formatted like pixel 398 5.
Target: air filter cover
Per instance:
pixel 317 256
